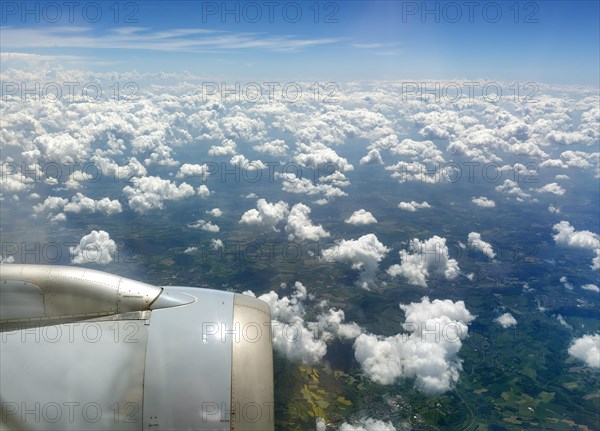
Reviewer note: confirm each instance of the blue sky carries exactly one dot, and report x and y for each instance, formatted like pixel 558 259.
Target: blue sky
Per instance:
pixel 551 41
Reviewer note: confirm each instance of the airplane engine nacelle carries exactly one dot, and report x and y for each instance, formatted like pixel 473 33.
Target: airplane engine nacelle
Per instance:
pixel 86 350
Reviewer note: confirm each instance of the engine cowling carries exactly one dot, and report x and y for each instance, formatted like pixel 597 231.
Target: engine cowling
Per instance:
pixel 86 350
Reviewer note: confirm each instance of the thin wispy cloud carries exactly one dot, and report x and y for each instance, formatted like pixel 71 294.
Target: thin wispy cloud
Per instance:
pixel 141 38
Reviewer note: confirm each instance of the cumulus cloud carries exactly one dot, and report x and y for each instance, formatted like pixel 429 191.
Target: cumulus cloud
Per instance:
pixel 553 188
pixel 266 216
pixel 299 226
pixel 424 258
pixel 477 243
pixel 203 191
pixel 368 424
pixel 567 235
pixel 96 247
pixel 430 358
pixel 566 283
pixel 420 172
pixel 591 287
pixel 553 210
pixel 148 193
pixel 52 204
pixel 296 339
pixel 227 148
pixel 7 259
pixel 512 188
pixel 483 202
pixel 372 158
pixel 363 253
pixel 413 206
pixel 191 170
pixel 506 320
pixel 76 178
pixel 82 204
pixel 243 163
pixel 205 225
pixel 587 349
pixel 292 184
pixel 275 148
pixel 215 212
pixel 315 154
pixel 361 218
pixel 79 203
pixel 425 151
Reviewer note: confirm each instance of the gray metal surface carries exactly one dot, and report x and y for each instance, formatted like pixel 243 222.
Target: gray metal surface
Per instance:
pixel 20 300
pixel 252 368
pixel 86 350
pixel 74 291
pixel 80 376
pixel 188 364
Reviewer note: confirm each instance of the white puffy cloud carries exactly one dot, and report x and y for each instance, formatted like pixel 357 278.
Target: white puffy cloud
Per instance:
pixel 553 188
pixel 193 170
pixel 51 204
pixel 331 323
pixel 483 202
pixel 477 243
pixel 361 218
pixel 292 184
pixel 215 212
pixel 419 172
pixel 227 148
pixel 76 178
pixel 79 203
pixel 111 169
pixel 587 349
pixel 299 226
pixel 204 225
pixel 14 182
pixel 96 247
pixel 568 138
pixel 148 193
pixel 567 235
pixel 424 258
pixel 363 253
pixel 243 163
pixel 591 287
pixel 315 154
pixel 7 259
pixel 413 206
pixel 82 204
pixel 512 188
pixel 424 151
pixel 566 283
pixel 62 147
pixel 266 215
pixel 190 250
pixel 368 424
pixel 553 210
pixel 203 191
pixel 506 320
pixel 275 148
pixel 320 425
pixel 298 340
pixel 372 158
pixel 239 126
pixel 430 358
